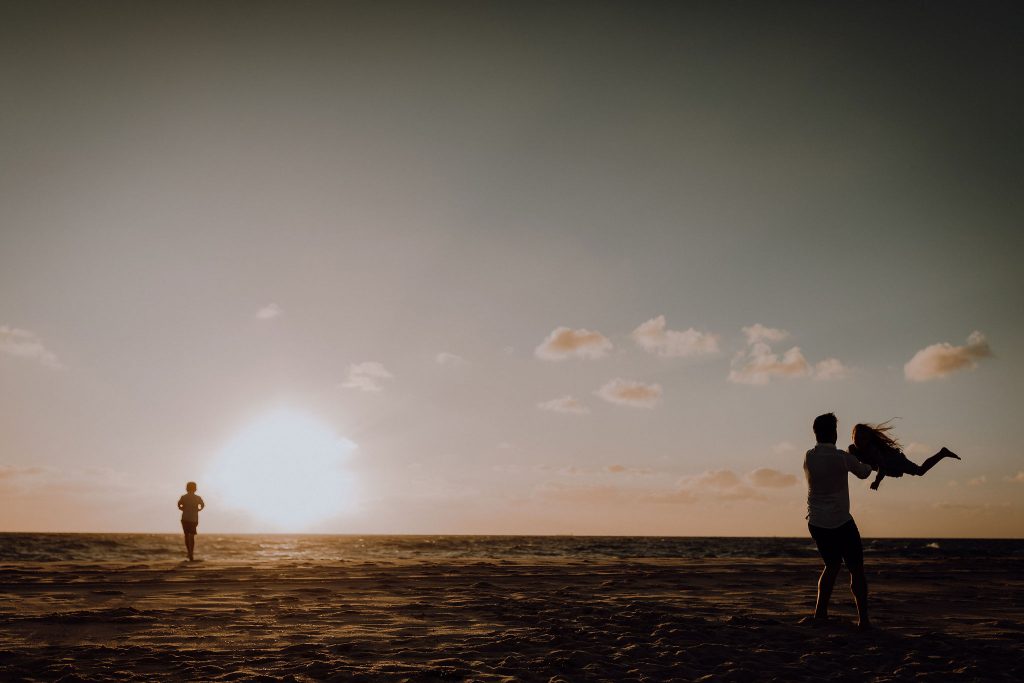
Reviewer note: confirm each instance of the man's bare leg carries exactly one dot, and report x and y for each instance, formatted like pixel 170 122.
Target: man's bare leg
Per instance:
pixel 825 583
pixel 859 588
pixel 190 544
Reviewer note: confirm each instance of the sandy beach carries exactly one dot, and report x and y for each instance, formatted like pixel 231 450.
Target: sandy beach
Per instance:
pixel 506 620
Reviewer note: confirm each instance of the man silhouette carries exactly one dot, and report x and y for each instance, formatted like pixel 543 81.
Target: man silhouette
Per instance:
pixel 829 520
pixel 190 504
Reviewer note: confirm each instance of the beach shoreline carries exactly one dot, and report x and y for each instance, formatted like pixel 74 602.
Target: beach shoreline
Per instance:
pixel 506 619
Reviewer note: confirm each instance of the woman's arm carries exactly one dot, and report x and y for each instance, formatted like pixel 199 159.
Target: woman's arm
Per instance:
pixel 878 480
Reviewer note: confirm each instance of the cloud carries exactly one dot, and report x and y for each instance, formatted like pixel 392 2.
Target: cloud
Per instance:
pixel 564 342
pixel 783 447
pixel 723 485
pixel 564 404
pixel 13 474
pixel 766 477
pixel 941 360
pixel 25 344
pixel 90 481
pixel 758 364
pixel 269 312
pixel 366 376
pixel 830 368
pixel 626 392
pixel 915 448
pixel 1017 478
pixel 445 358
pixel 759 333
pixel 654 338
pixel 720 484
pixel 597 493
pixel 977 481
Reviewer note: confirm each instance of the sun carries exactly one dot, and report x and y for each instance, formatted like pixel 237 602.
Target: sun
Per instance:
pixel 286 470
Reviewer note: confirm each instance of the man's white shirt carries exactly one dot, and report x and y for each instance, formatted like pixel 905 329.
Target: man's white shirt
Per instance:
pixel 828 490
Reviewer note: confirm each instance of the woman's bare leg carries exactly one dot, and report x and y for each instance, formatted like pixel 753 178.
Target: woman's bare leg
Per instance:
pixel 930 462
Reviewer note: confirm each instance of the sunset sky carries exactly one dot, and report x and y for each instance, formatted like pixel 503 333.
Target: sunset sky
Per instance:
pixel 506 267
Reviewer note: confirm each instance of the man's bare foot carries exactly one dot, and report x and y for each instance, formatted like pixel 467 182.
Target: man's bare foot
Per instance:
pixel 864 626
pixel 948 453
pixel 874 486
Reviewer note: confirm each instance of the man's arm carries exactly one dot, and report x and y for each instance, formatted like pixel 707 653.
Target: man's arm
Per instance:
pixel 201 504
pixel 181 505
pixel 858 468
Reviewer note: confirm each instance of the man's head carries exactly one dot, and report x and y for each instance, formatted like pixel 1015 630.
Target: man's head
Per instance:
pixel 825 428
pixel 190 487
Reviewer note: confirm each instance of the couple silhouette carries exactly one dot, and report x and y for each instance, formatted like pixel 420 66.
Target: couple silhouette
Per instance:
pixel 828 500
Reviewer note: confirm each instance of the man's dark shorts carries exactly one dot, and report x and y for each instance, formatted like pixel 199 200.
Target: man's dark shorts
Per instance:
pixel 189 527
pixel 842 543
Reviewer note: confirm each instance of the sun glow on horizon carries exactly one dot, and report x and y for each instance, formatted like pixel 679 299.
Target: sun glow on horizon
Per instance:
pixel 286 470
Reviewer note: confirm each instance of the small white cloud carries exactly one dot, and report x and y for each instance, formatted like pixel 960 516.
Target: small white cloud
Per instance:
pixel 941 360
pixel 366 376
pixel 269 312
pixel 25 344
pixel 830 368
pixel 766 477
pixel 564 343
pixel 977 481
pixel 626 392
pixel 783 447
pixel 759 333
pixel 565 404
pixel 758 364
pixel 445 358
pixel 654 338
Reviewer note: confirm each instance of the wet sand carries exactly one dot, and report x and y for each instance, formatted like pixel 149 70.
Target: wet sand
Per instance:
pixel 653 620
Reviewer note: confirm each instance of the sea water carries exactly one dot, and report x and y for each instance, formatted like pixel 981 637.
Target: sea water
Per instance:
pixel 28 548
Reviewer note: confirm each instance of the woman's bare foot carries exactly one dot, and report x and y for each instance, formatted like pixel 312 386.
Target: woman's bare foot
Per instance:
pixel 948 453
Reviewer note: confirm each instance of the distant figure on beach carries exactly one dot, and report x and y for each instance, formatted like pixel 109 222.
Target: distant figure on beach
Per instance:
pixel 829 520
pixel 190 504
pixel 873 445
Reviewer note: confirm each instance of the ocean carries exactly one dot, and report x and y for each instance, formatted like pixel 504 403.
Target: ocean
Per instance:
pixel 30 548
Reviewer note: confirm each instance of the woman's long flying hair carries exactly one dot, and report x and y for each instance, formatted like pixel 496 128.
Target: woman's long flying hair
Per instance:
pixel 869 436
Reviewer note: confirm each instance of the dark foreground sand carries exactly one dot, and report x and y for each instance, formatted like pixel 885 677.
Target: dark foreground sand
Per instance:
pixel 715 620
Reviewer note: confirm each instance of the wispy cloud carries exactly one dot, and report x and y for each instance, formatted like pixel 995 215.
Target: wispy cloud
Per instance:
pixel 977 481
pixel 565 404
pixel 1017 478
pixel 915 448
pixel 722 484
pixel 24 344
pixel 943 359
pixel 830 368
pixel 446 358
pixel 631 393
pixel 758 364
pixel 759 333
pixel 654 338
pixel 783 447
pixel 766 477
pixel 269 312
pixel 367 376
pixel 564 343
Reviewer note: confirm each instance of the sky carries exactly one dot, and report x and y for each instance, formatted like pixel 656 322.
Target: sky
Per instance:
pixel 569 268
